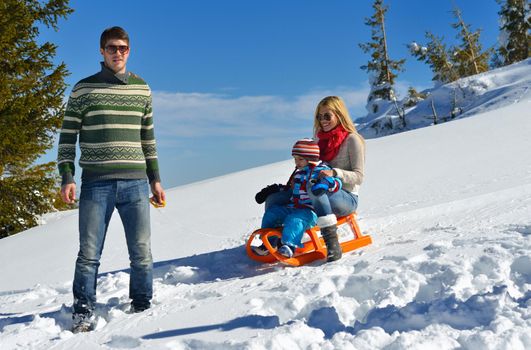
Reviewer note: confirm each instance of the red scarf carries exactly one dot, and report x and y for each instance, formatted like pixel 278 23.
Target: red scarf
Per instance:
pixel 329 142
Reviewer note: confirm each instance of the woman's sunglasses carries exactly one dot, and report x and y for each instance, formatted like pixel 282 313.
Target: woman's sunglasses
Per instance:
pixel 111 49
pixel 326 116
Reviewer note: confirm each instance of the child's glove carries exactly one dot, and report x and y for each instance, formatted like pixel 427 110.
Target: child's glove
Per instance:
pixel 266 191
pixel 323 185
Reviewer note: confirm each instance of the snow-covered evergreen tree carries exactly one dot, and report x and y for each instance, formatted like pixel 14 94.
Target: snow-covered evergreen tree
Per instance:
pixel 413 97
pixel 382 70
pixel 469 57
pixel 514 39
pixel 438 57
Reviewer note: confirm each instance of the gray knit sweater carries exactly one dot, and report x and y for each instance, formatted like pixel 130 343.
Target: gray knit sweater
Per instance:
pixel 349 164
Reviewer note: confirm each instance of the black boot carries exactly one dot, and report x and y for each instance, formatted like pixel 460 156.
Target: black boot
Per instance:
pixel 329 234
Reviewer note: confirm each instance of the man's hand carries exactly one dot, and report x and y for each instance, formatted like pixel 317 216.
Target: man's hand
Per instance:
pixel 68 193
pixel 158 193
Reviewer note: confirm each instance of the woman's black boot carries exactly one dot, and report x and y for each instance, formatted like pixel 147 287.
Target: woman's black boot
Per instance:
pixel 329 234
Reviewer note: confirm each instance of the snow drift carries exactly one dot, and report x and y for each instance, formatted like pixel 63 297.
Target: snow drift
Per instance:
pixel 460 99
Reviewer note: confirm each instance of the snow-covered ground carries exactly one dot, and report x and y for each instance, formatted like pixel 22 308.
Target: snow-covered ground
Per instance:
pixel 449 211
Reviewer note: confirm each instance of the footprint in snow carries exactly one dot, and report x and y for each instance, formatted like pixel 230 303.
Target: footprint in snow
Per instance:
pixel 394 258
pixel 436 249
pixel 439 227
pixel 524 230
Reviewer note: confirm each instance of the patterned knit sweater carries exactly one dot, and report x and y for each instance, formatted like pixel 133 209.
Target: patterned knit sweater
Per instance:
pixel 112 115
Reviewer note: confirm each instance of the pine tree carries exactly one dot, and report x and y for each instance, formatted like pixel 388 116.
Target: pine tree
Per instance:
pixel 515 23
pixel 381 68
pixel 468 57
pixel 413 97
pixel 437 56
pixel 31 107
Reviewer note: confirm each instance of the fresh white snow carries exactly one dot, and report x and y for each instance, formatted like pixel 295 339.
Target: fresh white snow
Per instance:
pixel 449 211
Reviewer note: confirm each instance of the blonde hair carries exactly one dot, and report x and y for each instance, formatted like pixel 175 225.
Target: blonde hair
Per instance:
pixel 339 108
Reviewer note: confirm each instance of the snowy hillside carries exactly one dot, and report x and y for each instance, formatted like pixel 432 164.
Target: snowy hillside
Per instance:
pixel 449 211
pixel 465 97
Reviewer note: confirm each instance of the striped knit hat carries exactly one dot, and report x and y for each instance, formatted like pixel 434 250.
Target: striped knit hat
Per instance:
pixel 306 148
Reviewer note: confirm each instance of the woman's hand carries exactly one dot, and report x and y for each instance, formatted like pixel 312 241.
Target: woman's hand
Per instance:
pixel 325 173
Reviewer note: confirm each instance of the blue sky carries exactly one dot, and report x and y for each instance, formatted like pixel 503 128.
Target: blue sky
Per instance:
pixel 235 82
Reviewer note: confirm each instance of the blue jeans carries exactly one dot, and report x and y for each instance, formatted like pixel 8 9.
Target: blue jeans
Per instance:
pixel 295 221
pixel 340 203
pixel 96 205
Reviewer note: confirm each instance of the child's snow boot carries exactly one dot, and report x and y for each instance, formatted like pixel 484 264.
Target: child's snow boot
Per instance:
pixel 329 234
pixel 286 251
pixel 262 250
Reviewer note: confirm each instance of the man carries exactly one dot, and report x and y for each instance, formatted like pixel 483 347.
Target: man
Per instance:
pixel 112 114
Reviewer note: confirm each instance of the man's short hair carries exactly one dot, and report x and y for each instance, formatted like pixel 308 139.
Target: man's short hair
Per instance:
pixel 113 33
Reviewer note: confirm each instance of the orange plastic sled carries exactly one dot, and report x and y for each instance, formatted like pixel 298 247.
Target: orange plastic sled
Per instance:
pixel 349 233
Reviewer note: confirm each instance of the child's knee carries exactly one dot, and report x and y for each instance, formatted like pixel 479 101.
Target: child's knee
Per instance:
pixel 273 217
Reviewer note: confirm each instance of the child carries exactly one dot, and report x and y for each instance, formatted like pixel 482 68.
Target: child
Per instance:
pixel 298 216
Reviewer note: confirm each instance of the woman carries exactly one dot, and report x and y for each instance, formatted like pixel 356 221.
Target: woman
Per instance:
pixel 344 150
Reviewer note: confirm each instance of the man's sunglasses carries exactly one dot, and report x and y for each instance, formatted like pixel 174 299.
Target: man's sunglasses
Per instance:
pixel 111 49
pixel 326 116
